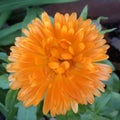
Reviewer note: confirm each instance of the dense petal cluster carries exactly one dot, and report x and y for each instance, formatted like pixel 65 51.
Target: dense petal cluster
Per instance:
pixel 59 62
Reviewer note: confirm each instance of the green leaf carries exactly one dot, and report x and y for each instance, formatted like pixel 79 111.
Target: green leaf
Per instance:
pixel 100 102
pixel 3 17
pixel 99 26
pixel 88 115
pixel 82 109
pixel 2 95
pixel 113 84
pixel 115 101
pixel 31 14
pixel 118 116
pixel 92 115
pixel 108 112
pixel 3 109
pixel 112 108
pixel 15 4
pixel 10 29
pixel 26 113
pixel 52 19
pixel 84 13
pixel 3 57
pixel 101 118
pixel 39 111
pixel 107 31
pixel 4 65
pixel 9 39
pixel 4 83
pixel 68 116
pixel 2 69
pixel 97 22
pixel 101 18
pixel 10 102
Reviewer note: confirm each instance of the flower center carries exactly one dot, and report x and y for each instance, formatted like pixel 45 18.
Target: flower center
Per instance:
pixel 61 56
pixel 59 67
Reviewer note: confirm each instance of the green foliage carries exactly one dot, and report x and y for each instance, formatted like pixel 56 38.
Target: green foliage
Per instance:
pixel 99 27
pixel 10 102
pixel 2 69
pixel 2 95
pixel 84 13
pixel 112 108
pixel 100 102
pixel 31 14
pixel 10 38
pixel 26 113
pixel 113 84
pixel 10 30
pixel 3 109
pixel 15 4
pixel 3 57
pixel 3 17
pixel 39 111
pixel 107 31
pixel 69 116
pixel 4 84
pixel 97 22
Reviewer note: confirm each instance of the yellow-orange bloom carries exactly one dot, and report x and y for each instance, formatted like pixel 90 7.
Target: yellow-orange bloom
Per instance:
pixel 59 63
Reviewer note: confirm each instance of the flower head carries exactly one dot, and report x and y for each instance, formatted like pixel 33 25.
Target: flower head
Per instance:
pixel 59 63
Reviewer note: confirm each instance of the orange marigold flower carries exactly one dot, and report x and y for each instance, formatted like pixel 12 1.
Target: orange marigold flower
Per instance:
pixel 59 63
